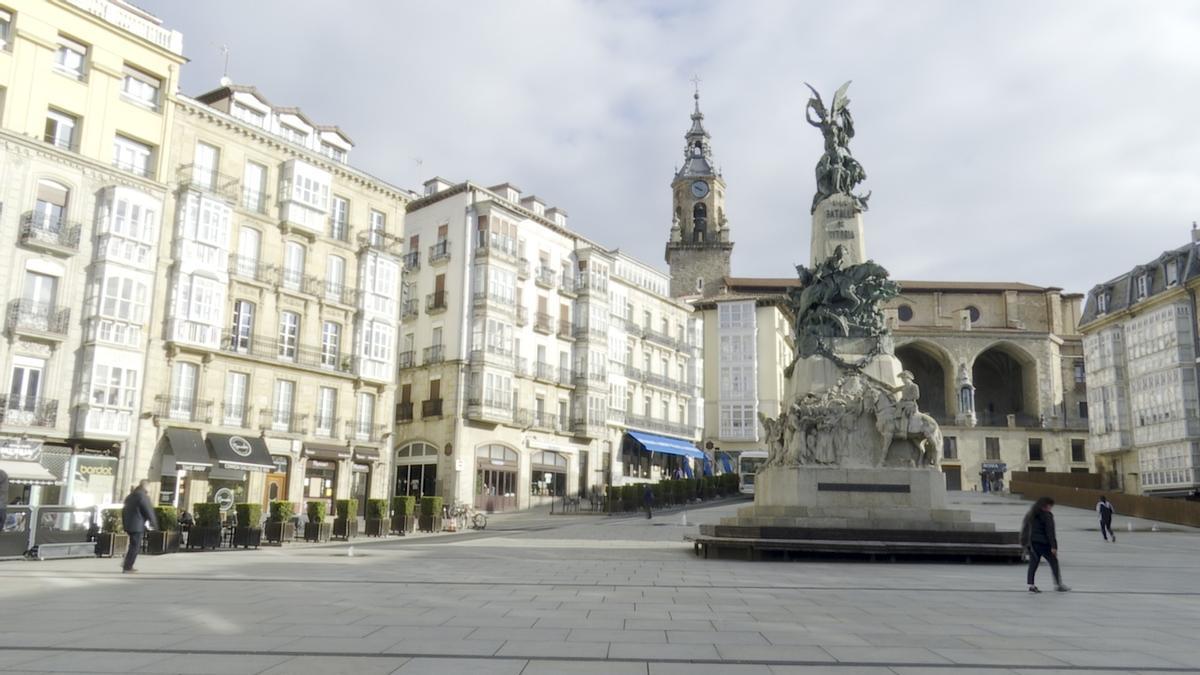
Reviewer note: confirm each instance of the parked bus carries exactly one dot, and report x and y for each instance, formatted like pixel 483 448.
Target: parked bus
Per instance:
pixel 748 464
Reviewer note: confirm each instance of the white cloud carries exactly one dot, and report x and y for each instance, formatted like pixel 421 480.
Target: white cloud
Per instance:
pixel 1045 142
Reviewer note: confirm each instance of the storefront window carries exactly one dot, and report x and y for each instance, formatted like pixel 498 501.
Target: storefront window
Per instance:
pixel 495 478
pixel 416 470
pixel 94 480
pixel 320 476
pixel 548 476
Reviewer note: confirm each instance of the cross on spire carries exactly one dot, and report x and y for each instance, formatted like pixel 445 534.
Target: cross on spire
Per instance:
pixel 696 94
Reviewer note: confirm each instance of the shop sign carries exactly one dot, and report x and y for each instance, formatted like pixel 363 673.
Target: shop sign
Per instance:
pixel 20 449
pixel 995 466
pixel 224 499
pixel 281 463
pixel 319 464
pixel 240 446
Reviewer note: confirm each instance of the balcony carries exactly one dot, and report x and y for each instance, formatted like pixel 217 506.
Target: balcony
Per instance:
pixel 331 291
pixel 545 277
pixel 544 371
pixel 326 426
pixel 410 309
pixel 143 168
pixel 53 235
pixel 435 302
pixel 654 424
pixel 412 261
pixel 434 354
pixel 283 421
pixel 494 355
pixel 271 349
pixel 381 241
pixel 588 427
pixel 431 408
pixel 583 377
pixel 255 201
pixel 566 285
pixel 564 329
pixel 490 410
pixel 176 409
pixel 28 411
pixel 584 331
pixel 522 269
pixel 406 359
pixel 204 179
pixel 237 416
pixel 495 245
pixel 404 412
pixel 364 431
pixel 339 230
pixel 38 319
pixel 250 269
pixel 616 416
pixel 663 339
pixel 493 300
pixel 522 316
pixel 564 377
pixel 540 419
pixel 543 323
pixel 439 252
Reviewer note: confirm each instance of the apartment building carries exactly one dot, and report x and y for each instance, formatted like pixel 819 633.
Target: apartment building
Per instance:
pixel 528 352
pixel 87 90
pixel 276 311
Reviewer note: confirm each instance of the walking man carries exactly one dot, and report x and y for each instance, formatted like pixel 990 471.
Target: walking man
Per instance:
pixel 3 498
pixel 1105 509
pixel 134 515
pixel 648 500
pixel 1038 537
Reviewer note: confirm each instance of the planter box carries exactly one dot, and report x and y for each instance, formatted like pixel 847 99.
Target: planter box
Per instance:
pixel 247 537
pixel 431 523
pixel 378 528
pixel 158 543
pixel 109 544
pixel 404 524
pixel 204 537
pixel 345 529
pixel 277 533
pixel 317 532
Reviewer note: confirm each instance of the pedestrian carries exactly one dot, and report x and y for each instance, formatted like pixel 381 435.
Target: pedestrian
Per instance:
pixel 648 500
pixel 3 498
pixel 134 515
pixel 1106 511
pixel 1038 538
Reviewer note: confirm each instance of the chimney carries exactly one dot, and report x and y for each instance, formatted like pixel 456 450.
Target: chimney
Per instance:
pixel 1195 232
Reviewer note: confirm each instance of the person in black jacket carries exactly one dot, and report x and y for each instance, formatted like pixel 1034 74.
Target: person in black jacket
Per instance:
pixel 1038 537
pixel 648 500
pixel 134 515
pixel 1104 509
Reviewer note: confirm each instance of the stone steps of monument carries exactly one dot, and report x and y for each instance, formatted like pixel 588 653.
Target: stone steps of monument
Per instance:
pixel 868 523
pixel 852 531
pixel 867 512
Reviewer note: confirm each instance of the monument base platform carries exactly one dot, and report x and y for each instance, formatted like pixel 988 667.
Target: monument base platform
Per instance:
pixel 875 514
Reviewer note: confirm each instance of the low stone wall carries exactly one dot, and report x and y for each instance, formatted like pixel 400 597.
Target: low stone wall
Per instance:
pixel 1090 481
pixel 1177 511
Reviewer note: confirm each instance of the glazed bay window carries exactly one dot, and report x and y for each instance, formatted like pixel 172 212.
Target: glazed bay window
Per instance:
pixel 133 156
pixel 124 299
pixel 140 87
pixel 331 344
pixel 114 386
pixel 289 335
pixel 234 410
pixel 61 129
pixel 70 58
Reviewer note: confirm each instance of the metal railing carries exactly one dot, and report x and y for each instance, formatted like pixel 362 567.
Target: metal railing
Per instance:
pixel 406 359
pixel 256 201
pixel 660 338
pixel 28 411
pixel 181 409
pixel 269 348
pixel 564 376
pixel 325 427
pixel 439 252
pixel 547 420
pixel 333 291
pixel 412 260
pixel 404 412
pixel 235 415
pixel 544 371
pixel 381 241
pixel 143 169
pixel 285 421
pixel 36 228
pixel 566 284
pixel 543 323
pixel 564 329
pixel 362 430
pixel 434 354
pixel 339 230
pixel 431 408
pixel 204 179
pixel 522 316
pixel 545 277
pixel 435 302
pixel 410 308
pixel 38 317
pixel 250 268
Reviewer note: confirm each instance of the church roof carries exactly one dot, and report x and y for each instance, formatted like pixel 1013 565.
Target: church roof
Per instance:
pixel 697 154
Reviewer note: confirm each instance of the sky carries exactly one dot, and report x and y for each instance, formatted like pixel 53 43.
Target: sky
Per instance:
pixel 1053 143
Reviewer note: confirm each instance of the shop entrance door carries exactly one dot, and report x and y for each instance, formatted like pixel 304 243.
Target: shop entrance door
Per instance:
pixel 953 477
pixel 276 490
pixel 360 481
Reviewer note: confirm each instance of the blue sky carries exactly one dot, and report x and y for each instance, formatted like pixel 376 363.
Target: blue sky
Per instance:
pixel 1052 142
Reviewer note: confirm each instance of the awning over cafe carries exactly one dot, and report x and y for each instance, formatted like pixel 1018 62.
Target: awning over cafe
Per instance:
pixel 363 453
pixel 187 446
pixel 27 473
pixel 332 453
pixel 662 444
pixel 221 473
pixel 241 452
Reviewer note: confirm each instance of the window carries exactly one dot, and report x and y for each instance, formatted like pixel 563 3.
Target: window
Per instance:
pixel 205 300
pixel 1172 273
pixel 123 299
pixel 973 312
pixel 60 129
pixel 140 87
pixel 285 396
pixel 949 447
pixel 183 389
pixel 666 410
pixel 114 386
pixel 1078 453
pixel 1080 374
pixel 6 20
pixel 326 405
pixel 70 57
pixel 335 277
pixel 236 385
pixel 1102 302
pixel 51 205
pixel 378 341
pixel 1083 409
pixel 243 325
pixel 289 334
pixel 132 156
pixel 339 219
pixel 378 227
pixel 254 187
pixel 737 421
pixel 293 134
pixel 331 343
pixel 333 152
pixel 992 448
pixel 249 115
pixel 1035 450
pixel 365 417
pixel 25 388
pixel 204 166
pixel 293 265
pixel 736 314
pixel 904 312
pixel 1143 285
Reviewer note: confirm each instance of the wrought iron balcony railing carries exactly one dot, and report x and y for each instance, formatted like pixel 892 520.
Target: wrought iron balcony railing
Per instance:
pixel 184 409
pixel 38 317
pixel 28 411
pixel 39 229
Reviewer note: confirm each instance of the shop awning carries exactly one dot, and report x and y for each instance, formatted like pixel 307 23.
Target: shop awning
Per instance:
pixel 27 473
pixel 361 452
pixel 187 445
pixel 241 452
pixel 168 465
pixel 664 444
pixel 329 452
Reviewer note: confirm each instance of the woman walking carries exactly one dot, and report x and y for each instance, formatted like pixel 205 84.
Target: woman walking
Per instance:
pixel 1038 537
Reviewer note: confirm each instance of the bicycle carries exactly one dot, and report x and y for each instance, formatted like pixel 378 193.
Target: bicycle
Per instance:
pixel 465 514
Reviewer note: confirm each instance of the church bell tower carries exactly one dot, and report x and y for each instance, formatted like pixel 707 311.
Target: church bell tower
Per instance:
pixel 699 248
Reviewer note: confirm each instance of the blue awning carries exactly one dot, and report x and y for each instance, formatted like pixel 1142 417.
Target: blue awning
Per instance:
pixel 664 444
pixel 708 466
pixel 726 465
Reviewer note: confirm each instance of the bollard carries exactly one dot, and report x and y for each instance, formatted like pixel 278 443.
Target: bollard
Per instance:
pixel 350 552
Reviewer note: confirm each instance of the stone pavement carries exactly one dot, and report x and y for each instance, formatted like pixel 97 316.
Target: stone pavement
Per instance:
pixel 585 594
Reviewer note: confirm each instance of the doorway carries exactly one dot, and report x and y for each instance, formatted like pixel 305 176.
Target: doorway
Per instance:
pixel 953 477
pixel 360 484
pixel 276 490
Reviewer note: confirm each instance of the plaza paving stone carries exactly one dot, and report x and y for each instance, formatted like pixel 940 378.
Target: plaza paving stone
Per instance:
pixel 584 594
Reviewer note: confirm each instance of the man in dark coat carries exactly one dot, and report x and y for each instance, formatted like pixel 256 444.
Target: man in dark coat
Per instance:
pixel 3 498
pixel 1040 540
pixel 135 514
pixel 648 500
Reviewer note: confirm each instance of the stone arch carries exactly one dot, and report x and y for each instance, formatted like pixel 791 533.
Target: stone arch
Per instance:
pixel 933 371
pixel 1005 379
pixel 700 222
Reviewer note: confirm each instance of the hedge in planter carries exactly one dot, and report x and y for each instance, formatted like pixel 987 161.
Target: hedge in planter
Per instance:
pixel 316 529
pixel 206 533
pixel 431 514
pixel 166 538
pixel 378 523
pixel 248 531
pixel 404 514
pixel 345 525
pixel 112 539
pixel 280 527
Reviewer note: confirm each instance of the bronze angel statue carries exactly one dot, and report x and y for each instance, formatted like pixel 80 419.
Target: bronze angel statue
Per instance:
pixel 837 171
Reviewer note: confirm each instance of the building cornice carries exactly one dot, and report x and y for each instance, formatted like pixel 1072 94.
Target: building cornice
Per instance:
pixel 108 172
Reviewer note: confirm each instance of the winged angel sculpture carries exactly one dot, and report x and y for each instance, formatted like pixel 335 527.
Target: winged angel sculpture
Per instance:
pixel 837 171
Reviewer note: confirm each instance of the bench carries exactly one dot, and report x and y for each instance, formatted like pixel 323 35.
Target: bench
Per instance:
pixel 75 549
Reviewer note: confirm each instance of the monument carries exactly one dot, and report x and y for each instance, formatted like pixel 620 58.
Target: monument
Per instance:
pixel 852 462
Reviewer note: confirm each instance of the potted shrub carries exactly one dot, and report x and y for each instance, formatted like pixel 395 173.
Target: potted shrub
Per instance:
pixel 166 538
pixel 431 514
pixel 632 496
pixel 112 539
pixel 378 523
pixel 280 527
pixel 316 529
pixel 206 533
pixel 249 525
pixel 345 525
pixel 404 514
